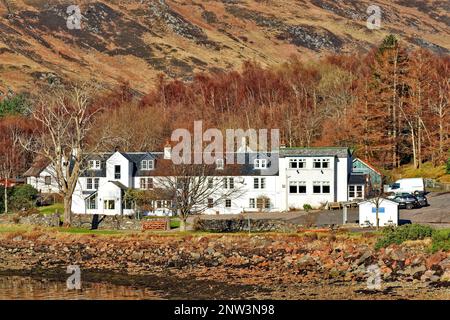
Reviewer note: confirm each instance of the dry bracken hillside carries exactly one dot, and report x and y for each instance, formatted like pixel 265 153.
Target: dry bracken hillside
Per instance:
pixel 135 40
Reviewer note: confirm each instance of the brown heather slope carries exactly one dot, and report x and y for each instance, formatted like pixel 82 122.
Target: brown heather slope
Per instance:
pixel 136 40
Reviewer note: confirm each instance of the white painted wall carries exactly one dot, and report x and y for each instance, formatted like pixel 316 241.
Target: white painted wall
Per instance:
pixel 39 182
pixel 367 215
pixel 276 187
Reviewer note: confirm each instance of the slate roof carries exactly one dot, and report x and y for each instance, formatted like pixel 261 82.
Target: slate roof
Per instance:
pixel 37 167
pixel 119 184
pixel 357 179
pixel 340 152
pixel 165 167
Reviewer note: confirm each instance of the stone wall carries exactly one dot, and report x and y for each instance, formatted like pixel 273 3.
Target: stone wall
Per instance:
pixel 106 222
pixel 242 225
pixel 49 220
pixel 84 221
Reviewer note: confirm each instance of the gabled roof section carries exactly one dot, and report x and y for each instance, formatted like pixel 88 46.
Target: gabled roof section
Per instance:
pixel 119 184
pixel 96 173
pixel 382 200
pixel 340 152
pixel 367 164
pixel 165 167
pixel 37 167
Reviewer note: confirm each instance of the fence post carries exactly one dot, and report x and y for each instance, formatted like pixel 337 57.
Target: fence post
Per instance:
pixel 344 214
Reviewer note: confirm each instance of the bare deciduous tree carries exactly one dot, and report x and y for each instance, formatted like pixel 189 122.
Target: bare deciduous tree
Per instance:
pixel 65 116
pixel 196 188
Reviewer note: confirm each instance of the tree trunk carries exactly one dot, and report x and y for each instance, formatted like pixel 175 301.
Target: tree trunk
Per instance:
pixel 378 219
pixel 6 195
pixel 68 211
pixel 183 224
pixel 414 147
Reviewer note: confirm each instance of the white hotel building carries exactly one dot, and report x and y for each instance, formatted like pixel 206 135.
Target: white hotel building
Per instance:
pixel 297 176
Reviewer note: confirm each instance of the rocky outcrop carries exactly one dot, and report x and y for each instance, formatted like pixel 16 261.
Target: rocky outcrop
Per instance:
pixel 297 258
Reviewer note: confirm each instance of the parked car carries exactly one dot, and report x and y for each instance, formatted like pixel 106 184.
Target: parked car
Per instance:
pixel 407 201
pixel 409 185
pixel 420 196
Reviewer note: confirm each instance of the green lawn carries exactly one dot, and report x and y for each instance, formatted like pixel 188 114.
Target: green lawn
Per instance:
pixel 87 231
pixel 174 223
pixel 52 208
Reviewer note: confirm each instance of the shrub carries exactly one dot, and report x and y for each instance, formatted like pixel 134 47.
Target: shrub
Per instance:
pixel 13 105
pixel 400 234
pixel 441 240
pixel 448 165
pixel 307 207
pixel 23 197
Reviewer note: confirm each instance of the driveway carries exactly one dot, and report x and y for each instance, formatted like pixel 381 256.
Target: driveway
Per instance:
pixel 437 214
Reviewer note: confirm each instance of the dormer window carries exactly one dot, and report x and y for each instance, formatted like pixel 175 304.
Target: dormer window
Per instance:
pixel 94 164
pixel 219 164
pixel 147 164
pixel 260 163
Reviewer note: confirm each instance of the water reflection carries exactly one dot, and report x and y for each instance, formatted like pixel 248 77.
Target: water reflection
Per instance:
pixel 17 287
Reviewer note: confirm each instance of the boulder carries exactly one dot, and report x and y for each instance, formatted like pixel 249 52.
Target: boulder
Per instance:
pixel 398 255
pixel 434 259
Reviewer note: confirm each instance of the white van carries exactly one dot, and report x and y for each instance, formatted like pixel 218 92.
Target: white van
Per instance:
pixel 409 185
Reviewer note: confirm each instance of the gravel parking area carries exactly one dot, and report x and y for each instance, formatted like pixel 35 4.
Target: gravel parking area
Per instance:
pixel 436 214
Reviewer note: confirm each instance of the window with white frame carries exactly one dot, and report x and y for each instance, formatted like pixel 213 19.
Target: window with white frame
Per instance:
pixel 92 183
pixel 210 202
pixel 252 203
pixel 359 191
pixel 263 203
pixel 128 204
pixel 297 163
pixel 91 203
pixel 227 203
pixel 146 183
pixel 351 191
pixel 321 187
pixel 326 187
pixel 109 204
pixel 260 163
pixel 147 165
pixel 210 183
pixel 94 164
pixel 228 183
pixel 297 187
pixel 259 183
pixel 48 180
pixel 321 163
pixel 355 191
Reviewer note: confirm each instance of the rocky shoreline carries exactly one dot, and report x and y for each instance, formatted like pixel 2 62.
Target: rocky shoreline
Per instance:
pixel 234 266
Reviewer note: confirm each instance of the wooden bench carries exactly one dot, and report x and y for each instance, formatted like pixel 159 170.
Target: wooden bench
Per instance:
pixel 156 224
pixel 334 205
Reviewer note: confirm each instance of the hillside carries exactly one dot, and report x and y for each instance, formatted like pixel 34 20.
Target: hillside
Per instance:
pixel 135 40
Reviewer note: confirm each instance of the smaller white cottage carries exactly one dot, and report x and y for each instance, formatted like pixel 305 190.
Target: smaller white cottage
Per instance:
pixel 387 213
